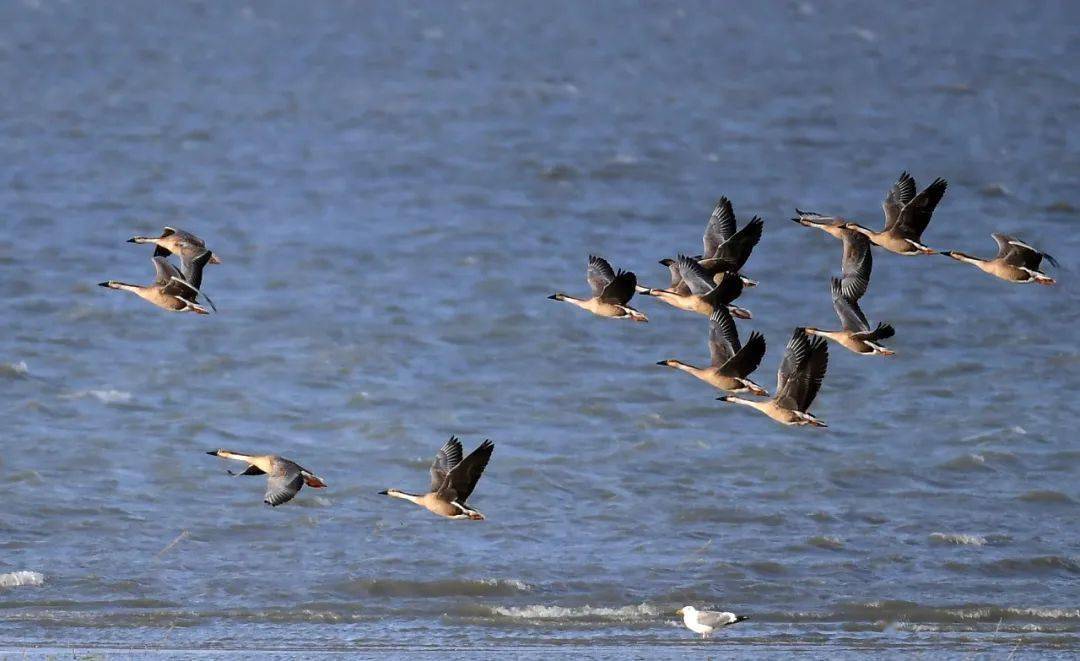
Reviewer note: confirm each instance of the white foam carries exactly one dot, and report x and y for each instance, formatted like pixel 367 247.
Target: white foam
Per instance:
pixel 507 582
pixel 958 539
pixel 104 396
pixel 20 578
pixel 17 369
pixel 544 612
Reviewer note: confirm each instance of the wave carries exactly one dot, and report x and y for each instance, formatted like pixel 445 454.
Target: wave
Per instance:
pixel 640 612
pixel 958 539
pixel 1045 496
pixel 826 542
pixel 104 396
pixel 1037 566
pixel 14 370
pixel 895 610
pixel 482 587
pixel 20 578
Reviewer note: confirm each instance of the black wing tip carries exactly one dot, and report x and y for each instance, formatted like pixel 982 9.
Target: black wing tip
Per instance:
pixel 667 261
pixel 1049 258
pixel 884 331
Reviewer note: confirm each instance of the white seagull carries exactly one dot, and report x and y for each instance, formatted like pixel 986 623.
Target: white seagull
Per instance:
pixel 705 622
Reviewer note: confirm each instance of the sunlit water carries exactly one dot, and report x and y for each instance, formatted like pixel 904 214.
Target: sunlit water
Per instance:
pixel 393 192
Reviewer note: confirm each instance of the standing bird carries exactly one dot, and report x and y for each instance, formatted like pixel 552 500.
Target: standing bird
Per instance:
pixel 705 622
pixel 1015 261
pixel 452 481
pixel 856 334
pixel 610 292
pixel 284 477
pixel 725 249
pixel 732 363
pixel 906 216
pixel 797 382
pixel 170 290
pixel 705 295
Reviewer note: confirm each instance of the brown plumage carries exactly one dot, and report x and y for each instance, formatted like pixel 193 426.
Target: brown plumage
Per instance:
pixel 1015 261
pixel 170 290
pixel 611 292
pixel 731 362
pixel 797 382
pixel 452 481
pixel 284 478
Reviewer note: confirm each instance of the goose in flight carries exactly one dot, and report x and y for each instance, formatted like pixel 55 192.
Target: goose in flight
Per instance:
pixel 705 622
pixel 170 290
pixel 452 481
pixel 797 382
pixel 284 478
pixel 725 248
pixel 732 362
pixel 183 244
pixel 906 216
pixel 856 334
pixel 611 292
pixel 1015 261
pixel 705 295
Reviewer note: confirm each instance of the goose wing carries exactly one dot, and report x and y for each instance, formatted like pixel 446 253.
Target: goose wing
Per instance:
pixel 448 456
pixel 599 274
pixel 723 337
pixel 284 482
pixel 720 228
pixel 164 271
pixel 901 193
pixel 746 359
pixel 851 315
pixel 734 252
pixel 1017 253
pixel 462 479
pixel 621 289
pixel 694 276
pixel 801 371
pixel 857 263
pixel 915 216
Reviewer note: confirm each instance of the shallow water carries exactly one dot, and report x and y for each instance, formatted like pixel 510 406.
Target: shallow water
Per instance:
pixel 393 191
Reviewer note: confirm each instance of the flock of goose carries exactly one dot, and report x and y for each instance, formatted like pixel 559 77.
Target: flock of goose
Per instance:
pixel 709 283
pixel 706 284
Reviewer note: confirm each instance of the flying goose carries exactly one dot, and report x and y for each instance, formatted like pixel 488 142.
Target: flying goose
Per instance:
pixel 704 295
pixel 611 292
pixel 797 382
pixel 732 363
pixel 906 216
pixel 725 249
pixel 185 245
pixel 170 290
pixel 452 481
pixel 856 334
pixel 1015 261
pixel 284 478
pixel 705 622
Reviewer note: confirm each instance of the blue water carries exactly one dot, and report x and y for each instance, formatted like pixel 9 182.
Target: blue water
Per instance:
pixel 393 190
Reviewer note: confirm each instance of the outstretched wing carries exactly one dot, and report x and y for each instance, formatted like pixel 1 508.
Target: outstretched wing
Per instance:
pixel 727 290
pixel 621 289
pixel 1017 253
pixel 281 487
pixel 901 193
pixel 857 263
pixel 746 359
pixel 462 479
pixel 851 315
pixel 694 275
pixel 736 250
pixel 720 228
pixel 915 215
pixel 802 371
pixel 164 272
pixel 599 274
pixel 448 456
pixel 723 336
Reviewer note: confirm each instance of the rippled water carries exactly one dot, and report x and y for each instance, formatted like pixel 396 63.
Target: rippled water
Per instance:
pixel 393 191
